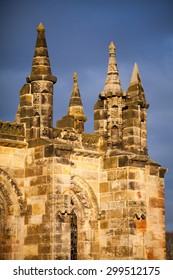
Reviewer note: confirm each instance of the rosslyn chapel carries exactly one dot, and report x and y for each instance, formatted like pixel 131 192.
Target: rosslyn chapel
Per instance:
pixel 68 194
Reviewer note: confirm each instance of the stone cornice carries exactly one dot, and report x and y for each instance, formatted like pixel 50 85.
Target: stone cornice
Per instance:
pixel 13 143
pixel 87 153
pixel 14 129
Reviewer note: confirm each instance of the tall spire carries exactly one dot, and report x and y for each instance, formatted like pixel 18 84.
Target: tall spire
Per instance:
pixel 75 117
pixel 135 116
pixel 113 83
pixel 135 78
pixel 135 92
pixel 75 105
pixel 41 69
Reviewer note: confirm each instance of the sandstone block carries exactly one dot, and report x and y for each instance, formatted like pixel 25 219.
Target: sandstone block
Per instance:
pixel 104 187
pixel 156 202
pixel 30 250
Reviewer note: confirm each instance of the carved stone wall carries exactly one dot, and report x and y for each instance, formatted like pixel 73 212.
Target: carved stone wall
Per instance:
pixel 65 193
pixel 118 201
pixel 128 197
pixel 12 208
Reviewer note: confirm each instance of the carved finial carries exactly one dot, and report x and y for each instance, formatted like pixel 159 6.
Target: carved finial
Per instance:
pixel 112 48
pixel 75 77
pixel 112 80
pixel 40 27
pixel 75 105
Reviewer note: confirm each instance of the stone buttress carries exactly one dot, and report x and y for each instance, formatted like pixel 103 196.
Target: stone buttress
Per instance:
pixel 133 185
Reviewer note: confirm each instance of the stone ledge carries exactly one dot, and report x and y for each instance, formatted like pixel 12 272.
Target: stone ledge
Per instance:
pixel 13 143
pixel 87 153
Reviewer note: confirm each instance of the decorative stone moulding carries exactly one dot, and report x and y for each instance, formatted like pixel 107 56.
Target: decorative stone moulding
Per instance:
pixel 9 128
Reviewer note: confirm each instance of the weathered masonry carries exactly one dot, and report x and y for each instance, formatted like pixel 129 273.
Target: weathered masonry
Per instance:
pixel 69 194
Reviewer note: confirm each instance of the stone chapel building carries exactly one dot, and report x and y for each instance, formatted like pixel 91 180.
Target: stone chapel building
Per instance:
pixel 69 194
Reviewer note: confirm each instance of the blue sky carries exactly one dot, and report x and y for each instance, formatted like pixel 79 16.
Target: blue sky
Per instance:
pixel 78 34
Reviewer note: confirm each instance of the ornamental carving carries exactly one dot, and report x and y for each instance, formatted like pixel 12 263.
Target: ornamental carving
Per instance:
pixel 81 195
pixel 90 141
pixel 42 87
pixel 6 193
pixel 86 195
pixel 9 128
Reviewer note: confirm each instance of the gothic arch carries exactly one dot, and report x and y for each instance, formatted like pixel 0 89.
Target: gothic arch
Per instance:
pixel 11 216
pixel 87 194
pixel 83 197
pixel 80 203
pixel 11 193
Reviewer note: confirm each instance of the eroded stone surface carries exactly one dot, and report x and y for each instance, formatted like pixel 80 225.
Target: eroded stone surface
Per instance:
pixel 65 193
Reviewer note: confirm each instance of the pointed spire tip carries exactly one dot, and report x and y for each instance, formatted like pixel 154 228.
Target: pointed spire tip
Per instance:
pixel 75 77
pixel 112 48
pixel 136 67
pixel 112 44
pixel 40 27
pixel 135 74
